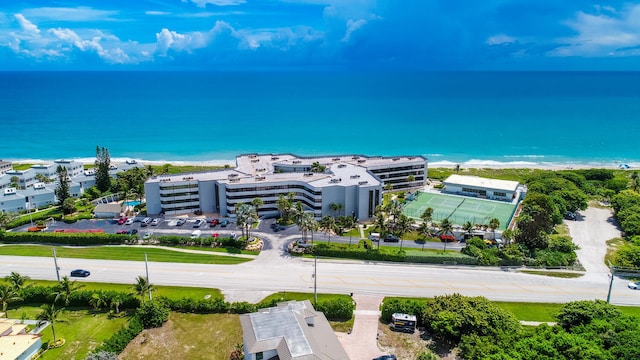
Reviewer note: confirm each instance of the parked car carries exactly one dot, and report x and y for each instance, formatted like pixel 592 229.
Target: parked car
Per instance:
pixel 181 222
pixel 80 273
pixel 224 223
pixel 447 238
pixel 197 223
pixel 121 231
pixel 386 357
pixel 132 231
pixel 129 221
pixel 148 235
pixel 569 215
pixel 634 285
pixel 214 222
pixel 196 234
pixel 122 220
pixel 146 221
pixel 156 221
pixel 374 236
pixel 391 238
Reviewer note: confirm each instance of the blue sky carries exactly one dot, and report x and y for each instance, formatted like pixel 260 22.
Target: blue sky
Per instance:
pixel 320 34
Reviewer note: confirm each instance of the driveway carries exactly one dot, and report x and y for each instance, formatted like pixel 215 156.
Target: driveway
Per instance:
pixel 362 342
pixel 591 231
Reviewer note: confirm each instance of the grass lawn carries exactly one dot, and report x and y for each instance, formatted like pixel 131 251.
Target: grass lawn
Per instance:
pixel 119 253
pixel 612 247
pixel 172 292
pixel 564 275
pixel 188 336
pixel 228 250
pixel 82 330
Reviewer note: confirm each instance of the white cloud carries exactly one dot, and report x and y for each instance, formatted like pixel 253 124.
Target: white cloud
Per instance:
pixel 203 3
pixel 603 34
pixel 75 14
pixel 153 12
pixel 25 24
pixel 500 39
pixel 170 40
pixel 351 27
pixel 62 44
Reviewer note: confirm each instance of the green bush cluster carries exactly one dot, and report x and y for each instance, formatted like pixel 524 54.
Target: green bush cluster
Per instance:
pixel 70 219
pixel 79 298
pixel 78 239
pixel 560 251
pixel 153 313
pixel 339 250
pixel 24 220
pixel 174 240
pixel 626 205
pixel 403 306
pixel 336 309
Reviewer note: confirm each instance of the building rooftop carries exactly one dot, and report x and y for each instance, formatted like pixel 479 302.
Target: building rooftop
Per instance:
pixel 476 181
pixel 294 329
pixel 13 341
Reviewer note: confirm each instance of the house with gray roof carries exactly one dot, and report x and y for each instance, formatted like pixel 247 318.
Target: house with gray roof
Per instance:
pixel 11 201
pixel 292 330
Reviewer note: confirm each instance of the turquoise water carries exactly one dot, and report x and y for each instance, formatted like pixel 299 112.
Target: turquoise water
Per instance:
pixel 132 203
pixel 538 117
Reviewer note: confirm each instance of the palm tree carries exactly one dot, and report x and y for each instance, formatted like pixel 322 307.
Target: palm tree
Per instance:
pixel 306 222
pixel 257 202
pixel 403 226
pixel 457 168
pixel 336 208
pixel 97 301
pixel 142 287
pixel 17 281
pixel 284 205
pixel 8 294
pixel 5 218
pixel 493 225
pixel 468 227
pixel 446 228
pixel 65 288
pixel 296 211
pixel 50 313
pixel 348 222
pixel 328 224
pixel 116 301
pixel 242 217
pixel 380 221
pixel 424 230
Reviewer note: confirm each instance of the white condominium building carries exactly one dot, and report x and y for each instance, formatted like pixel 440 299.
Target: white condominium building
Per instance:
pixel 355 182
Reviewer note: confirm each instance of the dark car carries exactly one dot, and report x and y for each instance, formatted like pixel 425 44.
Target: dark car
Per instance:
pixel 214 222
pixel 386 357
pixel 121 231
pixel 132 231
pixel 391 238
pixel 80 273
pixel 570 215
pixel 197 223
pixel 224 223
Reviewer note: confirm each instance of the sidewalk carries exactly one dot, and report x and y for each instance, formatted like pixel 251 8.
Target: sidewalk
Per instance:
pixel 362 342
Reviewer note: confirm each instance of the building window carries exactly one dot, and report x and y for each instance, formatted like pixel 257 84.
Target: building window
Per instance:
pixel 259 356
pixel 497 193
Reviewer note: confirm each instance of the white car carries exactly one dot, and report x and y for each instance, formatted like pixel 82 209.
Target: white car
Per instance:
pixel 634 285
pixel 156 221
pixel 129 221
pixel 147 236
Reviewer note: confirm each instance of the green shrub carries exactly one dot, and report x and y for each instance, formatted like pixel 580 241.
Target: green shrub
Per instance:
pixel 153 313
pixel 198 306
pixel 242 307
pixel 403 306
pixel 336 309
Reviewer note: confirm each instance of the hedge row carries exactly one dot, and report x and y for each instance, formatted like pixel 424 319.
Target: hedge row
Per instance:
pixel 344 251
pixel 202 241
pixel 79 298
pixel 65 238
pixel 403 306
pixel 24 220
pixel 119 341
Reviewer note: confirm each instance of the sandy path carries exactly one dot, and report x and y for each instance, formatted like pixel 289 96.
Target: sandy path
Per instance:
pixel 591 232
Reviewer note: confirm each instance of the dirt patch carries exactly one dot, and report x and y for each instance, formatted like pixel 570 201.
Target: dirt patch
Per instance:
pixel 409 346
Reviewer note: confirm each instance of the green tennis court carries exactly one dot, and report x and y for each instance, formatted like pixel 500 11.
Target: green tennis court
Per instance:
pixel 460 209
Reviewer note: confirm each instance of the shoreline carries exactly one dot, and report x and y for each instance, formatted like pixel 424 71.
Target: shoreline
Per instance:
pixel 470 164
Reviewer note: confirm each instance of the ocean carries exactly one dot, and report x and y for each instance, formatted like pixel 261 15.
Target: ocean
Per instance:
pixel 590 118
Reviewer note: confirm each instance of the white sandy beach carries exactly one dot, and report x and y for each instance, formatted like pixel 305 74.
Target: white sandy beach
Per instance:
pixel 470 164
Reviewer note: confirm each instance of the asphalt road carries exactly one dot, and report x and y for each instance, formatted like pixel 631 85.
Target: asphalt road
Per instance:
pixel 274 270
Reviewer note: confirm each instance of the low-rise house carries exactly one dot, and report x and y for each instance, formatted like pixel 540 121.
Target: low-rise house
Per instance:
pixel 5 166
pixel 493 189
pixel 38 196
pixel 15 343
pixel 11 201
pixel 26 178
pixel 292 330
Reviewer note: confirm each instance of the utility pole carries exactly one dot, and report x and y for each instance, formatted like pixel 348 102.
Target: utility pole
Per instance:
pixel 315 280
pixel 611 275
pixel 146 266
pixel 55 262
